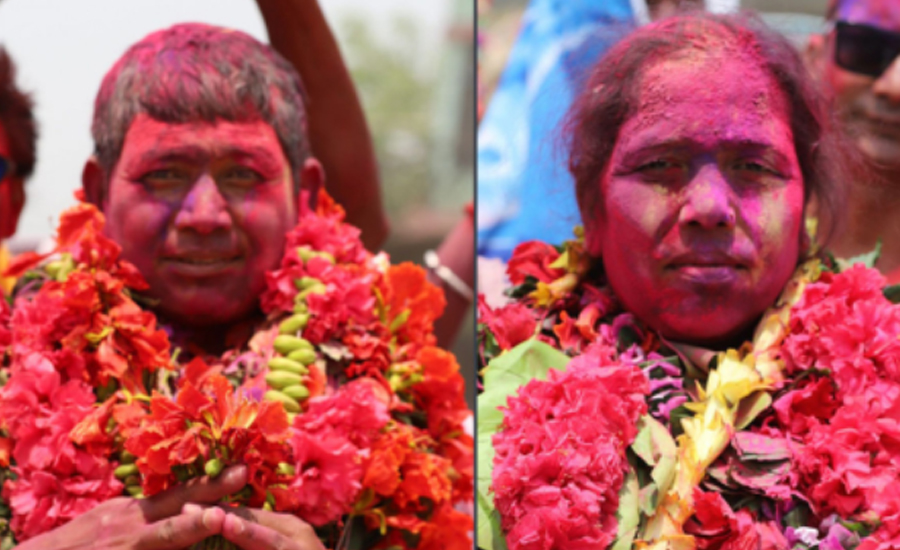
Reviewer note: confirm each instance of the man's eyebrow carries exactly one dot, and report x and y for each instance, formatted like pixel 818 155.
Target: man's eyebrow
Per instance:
pixel 250 151
pixel 192 153
pixel 181 153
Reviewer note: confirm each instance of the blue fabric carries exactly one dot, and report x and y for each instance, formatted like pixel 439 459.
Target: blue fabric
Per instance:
pixel 524 189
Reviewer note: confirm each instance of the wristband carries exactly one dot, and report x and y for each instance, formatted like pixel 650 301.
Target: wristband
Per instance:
pixel 444 273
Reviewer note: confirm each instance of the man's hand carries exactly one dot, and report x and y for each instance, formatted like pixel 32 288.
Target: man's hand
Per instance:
pixel 252 529
pixel 156 523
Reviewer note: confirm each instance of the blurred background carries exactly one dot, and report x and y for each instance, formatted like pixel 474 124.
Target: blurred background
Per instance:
pixel 532 57
pixel 412 62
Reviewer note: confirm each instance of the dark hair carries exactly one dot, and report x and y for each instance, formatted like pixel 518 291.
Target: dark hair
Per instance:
pixel 17 118
pixel 195 72
pixel 611 94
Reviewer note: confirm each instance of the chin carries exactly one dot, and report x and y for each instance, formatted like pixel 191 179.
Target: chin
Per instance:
pixel 209 311
pixel 717 329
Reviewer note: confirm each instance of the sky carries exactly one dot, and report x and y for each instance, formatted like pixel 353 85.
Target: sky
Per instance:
pixel 62 49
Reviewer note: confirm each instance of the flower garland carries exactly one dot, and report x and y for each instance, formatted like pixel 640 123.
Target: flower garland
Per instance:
pixel 790 441
pixel 340 405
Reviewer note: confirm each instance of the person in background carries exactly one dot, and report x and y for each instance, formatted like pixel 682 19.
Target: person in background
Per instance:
pixel 18 140
pixel 858 62
pixel 338 133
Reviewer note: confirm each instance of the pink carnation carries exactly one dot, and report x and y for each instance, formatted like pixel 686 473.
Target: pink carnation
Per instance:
pixel 41 501
pixel 331 443
pixel 511 324
pixel 844 324
pixel 328 477
pixel 560 456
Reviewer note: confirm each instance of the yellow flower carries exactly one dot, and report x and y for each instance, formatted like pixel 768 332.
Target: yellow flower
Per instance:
pixel 546 295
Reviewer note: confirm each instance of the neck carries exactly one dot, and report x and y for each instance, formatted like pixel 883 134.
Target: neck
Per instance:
pixel 871 215
pixel 211 339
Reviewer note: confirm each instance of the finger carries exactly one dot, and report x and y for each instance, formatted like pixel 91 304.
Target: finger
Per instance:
pixel 191 508
pixel 288 525
pixel 200 490
pixel 182 530
pixel 253 536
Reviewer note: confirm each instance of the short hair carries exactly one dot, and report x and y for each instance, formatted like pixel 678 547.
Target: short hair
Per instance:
pixel 612 92
pixel 17 118
pixel 195 72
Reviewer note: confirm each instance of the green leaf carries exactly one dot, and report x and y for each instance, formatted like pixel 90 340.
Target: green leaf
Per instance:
pixel 892 293
pixel 490 535
pixel 750 408
pixel 502 378
pixel 628 514
pixel 649 499
pixel 867 259
pixel 655 446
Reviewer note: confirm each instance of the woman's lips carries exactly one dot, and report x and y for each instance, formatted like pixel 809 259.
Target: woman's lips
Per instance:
pixel 708 274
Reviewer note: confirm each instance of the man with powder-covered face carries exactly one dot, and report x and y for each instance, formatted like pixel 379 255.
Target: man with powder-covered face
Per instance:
pixel 200 155
pixel 858 62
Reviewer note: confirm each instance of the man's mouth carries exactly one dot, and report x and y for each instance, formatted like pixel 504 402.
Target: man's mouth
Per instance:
pixel 201 265
pixel 205 261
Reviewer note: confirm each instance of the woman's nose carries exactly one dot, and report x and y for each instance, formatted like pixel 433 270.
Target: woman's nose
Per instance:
pixel 708 203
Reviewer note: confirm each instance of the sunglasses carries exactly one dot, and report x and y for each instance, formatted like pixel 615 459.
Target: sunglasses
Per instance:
pixel 864 49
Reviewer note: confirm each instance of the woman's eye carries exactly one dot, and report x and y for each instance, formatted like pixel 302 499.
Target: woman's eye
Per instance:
pixel 751 166
pixel 658 164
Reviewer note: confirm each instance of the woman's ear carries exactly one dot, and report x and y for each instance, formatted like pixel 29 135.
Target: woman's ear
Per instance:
pixel 593 237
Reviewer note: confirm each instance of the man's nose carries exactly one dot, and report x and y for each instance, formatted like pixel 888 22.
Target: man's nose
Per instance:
pixel 887 85
pixel 708 202
pixel 204 209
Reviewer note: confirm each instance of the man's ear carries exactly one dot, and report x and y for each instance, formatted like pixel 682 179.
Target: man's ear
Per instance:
pixel 814 55
pixel 312 179
pixel 92 182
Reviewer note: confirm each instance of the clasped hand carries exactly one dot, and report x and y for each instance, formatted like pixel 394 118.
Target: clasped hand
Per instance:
pixel 178 518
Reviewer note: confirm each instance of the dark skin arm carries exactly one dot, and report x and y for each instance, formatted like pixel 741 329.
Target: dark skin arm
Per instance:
pixel 338 131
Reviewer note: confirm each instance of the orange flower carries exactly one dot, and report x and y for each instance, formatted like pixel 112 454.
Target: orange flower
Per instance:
pixel 206 422
pixel 409 295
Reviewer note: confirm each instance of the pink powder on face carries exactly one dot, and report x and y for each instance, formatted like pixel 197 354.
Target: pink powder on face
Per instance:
pixel 202 210
pixel 703 198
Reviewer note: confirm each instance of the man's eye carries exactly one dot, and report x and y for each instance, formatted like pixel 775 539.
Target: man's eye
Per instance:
pixel 240 176
pixel 165 177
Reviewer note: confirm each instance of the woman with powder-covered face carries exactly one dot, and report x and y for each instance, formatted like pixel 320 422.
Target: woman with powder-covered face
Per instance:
pixel 636 382
pixel 697 148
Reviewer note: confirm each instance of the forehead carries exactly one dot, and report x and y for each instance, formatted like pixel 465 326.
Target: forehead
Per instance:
pixel 147 134
pixel 878 13
pixel 720 95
